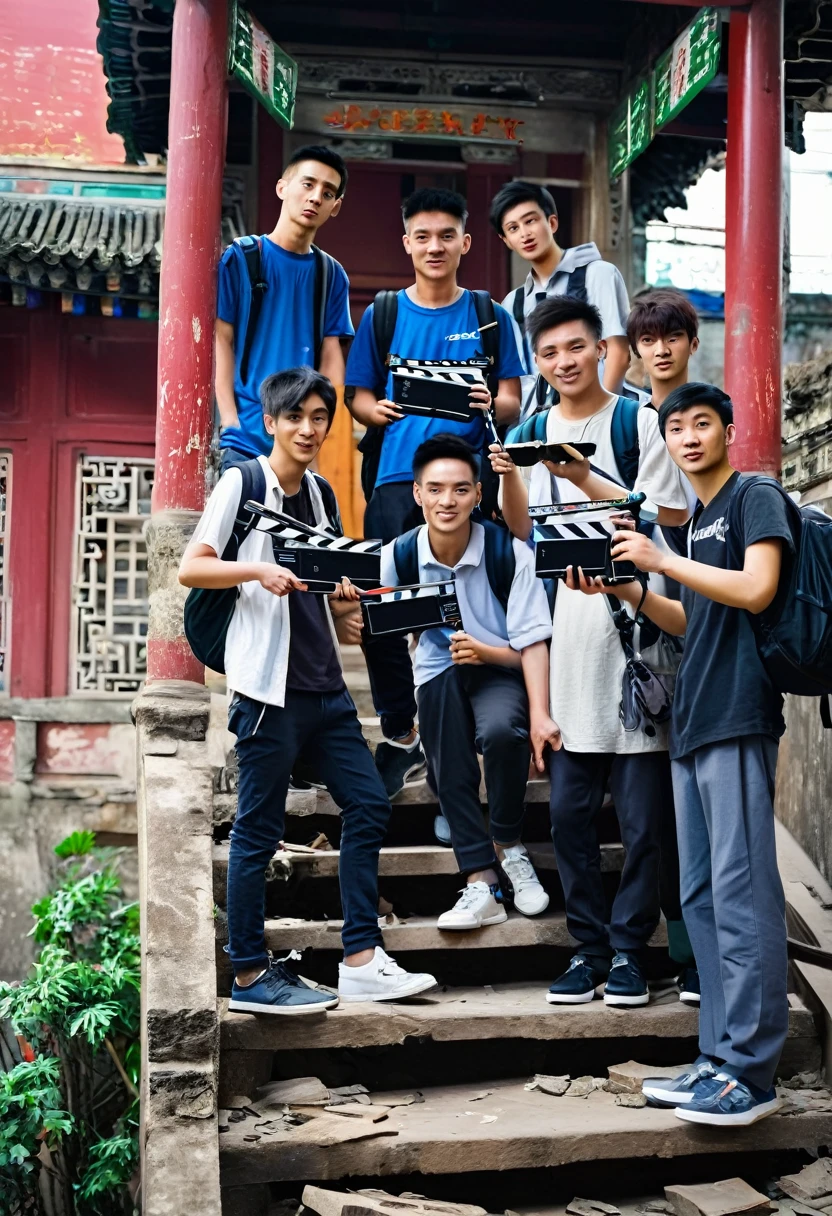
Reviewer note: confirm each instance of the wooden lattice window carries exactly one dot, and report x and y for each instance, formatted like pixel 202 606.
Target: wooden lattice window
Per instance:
pixel 109 616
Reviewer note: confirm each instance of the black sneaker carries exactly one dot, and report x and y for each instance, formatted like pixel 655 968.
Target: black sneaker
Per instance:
pixel 399 765
pixel 625 984
pixel 577 985
pixel 279 990
pixel 689 990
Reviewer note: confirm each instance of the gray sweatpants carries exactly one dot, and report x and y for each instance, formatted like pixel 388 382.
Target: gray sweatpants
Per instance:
pixel 732 902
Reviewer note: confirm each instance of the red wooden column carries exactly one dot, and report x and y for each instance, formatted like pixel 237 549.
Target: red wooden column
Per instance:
pixel 187 310
pixel 754 234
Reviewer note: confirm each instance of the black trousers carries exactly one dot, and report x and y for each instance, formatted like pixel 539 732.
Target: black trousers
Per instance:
pixel 643 795
pixel 469 710
pixel 391 511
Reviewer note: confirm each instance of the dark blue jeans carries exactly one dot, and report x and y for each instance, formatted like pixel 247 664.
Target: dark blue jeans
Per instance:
pixel 268 742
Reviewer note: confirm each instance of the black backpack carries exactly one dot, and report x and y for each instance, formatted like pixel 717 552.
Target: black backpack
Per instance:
pixel 208 610
pixel 623 436
pixel 385 313
pixel 500 561
pixel 576 287
pixel 251 247
pixel 794 634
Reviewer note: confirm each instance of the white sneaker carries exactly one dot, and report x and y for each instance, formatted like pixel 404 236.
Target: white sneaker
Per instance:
pixel 529 896
pixel 382 979
pixel 475 907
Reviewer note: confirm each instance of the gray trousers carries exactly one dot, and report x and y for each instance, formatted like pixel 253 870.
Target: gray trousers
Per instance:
pixel 733 903
pixel 466 710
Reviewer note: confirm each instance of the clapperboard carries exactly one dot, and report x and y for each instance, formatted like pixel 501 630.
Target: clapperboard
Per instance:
pixel 319 560
pixel 411 609
pixel 584 543
pixel 438 389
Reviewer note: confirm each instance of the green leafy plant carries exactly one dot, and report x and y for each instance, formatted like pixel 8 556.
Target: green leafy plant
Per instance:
pixel 71 1105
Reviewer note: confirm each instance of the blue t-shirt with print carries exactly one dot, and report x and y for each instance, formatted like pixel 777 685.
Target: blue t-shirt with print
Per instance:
pixel 425 333
pixel 285 335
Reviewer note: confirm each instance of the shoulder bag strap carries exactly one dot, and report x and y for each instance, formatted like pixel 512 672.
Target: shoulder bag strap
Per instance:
pixel 252 255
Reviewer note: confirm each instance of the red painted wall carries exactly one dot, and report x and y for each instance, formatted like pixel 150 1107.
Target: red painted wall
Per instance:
pixel 68 385
pixel 7 733
pixel 53 100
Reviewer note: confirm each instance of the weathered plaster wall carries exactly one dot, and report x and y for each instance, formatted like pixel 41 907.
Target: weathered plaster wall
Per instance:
pixel 59 774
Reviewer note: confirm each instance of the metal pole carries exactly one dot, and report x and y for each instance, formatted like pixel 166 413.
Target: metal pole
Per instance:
pixel 754 234
pixel 187 310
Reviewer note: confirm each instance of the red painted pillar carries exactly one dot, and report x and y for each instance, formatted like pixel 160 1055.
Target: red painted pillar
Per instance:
pixel 187 310
pixel 754 234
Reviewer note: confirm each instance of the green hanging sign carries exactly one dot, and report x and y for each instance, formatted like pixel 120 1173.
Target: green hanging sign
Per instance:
pixel 687 67
pixel 262 66
pixel 630 128
pixel 657 98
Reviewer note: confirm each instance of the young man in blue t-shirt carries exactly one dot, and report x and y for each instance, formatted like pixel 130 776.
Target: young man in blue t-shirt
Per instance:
pixel 726 724
pixel 436 319
pixel 311 190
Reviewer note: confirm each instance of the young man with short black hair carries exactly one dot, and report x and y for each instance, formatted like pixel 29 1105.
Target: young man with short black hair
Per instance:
pixel 727 721
pixel 292 320
pixel 587 665
pixel 663 330
pixel 525 217
pixel 470 682
pixel 435 319
pixel 287 694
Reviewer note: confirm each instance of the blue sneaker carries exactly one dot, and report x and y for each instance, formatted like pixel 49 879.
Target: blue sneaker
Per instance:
pixel 678 1091
pixel 734 1103
pixel 279 990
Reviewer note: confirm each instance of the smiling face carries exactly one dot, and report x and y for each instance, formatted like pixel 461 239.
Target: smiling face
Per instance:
pixel 528 231
pixel 698 440
pixel 436 242
pixel 309 192
pixel 567 357
pixel 447 493
pixel 300 432
pixel 666 356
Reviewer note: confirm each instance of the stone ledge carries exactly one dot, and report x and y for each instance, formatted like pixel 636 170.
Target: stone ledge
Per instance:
pixel 526 1130
pixel 177 709
pixel 80 709
pixel 181 1034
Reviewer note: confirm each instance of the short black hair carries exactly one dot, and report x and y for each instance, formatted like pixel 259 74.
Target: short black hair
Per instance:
pixel 661 312
pixel 444 447
pixel 324 156
pixel 687 396
pixel 557 310
pixel 430 198
pixel 284 392
pixel 512 194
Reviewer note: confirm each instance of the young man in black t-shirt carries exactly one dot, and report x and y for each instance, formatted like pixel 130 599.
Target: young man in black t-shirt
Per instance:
pixel 727 720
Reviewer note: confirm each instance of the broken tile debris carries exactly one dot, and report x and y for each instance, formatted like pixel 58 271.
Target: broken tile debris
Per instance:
pixel 812 1185
pixel 549 1085
pixel 629 1077
pixel 630 1100
pixel 591 1207
pixel 369 1202
pixel 726 1198
pixel 308 1091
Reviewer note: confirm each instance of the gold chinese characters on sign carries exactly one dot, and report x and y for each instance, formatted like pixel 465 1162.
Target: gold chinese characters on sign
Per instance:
pixel 356 119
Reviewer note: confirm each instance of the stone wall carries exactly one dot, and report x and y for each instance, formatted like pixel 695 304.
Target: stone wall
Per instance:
pixel 66 764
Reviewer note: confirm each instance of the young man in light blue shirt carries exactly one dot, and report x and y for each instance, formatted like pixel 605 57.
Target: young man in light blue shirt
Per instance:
pixel 435 319
pixel 472 682
pixel 294 328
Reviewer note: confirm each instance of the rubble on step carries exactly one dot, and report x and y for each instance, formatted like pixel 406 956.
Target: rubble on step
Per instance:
pixel 812 1186
pixel 371 1202
pixel 727 1198
pixel 591 1207
pixel 628 1078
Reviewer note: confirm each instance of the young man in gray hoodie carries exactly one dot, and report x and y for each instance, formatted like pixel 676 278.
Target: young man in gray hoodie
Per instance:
pixel 525 218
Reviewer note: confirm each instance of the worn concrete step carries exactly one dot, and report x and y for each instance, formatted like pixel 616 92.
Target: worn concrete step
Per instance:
pixel 408 861
pixel 421 934
pixel 320 802
pixel 510 1129
pixel 499 1011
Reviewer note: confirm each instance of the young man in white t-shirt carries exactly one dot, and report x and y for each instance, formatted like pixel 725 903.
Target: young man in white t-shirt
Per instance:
pixel 589 745
pixel 288 695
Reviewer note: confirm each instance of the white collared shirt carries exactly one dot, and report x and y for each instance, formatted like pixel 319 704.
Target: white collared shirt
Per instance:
pixel 526 621
pixel 257 643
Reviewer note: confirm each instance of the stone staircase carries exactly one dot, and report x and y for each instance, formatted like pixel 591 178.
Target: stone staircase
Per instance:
pixel 465 1051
